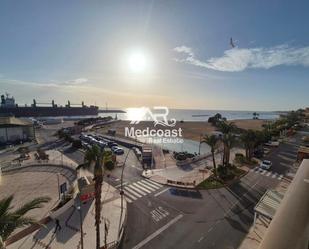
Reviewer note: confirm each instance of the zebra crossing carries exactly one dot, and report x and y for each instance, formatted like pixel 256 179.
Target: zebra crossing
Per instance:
pixel 136 190
pixel 267 173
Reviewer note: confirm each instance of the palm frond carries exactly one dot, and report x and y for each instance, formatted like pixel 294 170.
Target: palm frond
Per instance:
pixel 5 204
pixel 33 204
pixel 9 221
pixel 15 223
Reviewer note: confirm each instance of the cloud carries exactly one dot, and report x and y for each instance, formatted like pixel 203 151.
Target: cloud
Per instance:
pixel 77 81
pixel 239 59
pixel 50 83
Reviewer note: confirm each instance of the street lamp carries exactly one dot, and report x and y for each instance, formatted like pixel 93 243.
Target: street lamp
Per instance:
pixel 58 181
pixel 199 147
pixel 81 226
pixel 121 189
pixel 61 154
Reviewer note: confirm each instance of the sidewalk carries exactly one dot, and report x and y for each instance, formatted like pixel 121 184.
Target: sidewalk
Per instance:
pixel 189 173
pixel 69 236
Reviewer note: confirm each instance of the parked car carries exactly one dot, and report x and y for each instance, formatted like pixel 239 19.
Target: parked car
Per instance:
pixel 266 164
pixel 113 148
pixel 102 144
pixel 112 144
pixel 85 145
pixel 118 151
pixel 272 143
pixel 137 152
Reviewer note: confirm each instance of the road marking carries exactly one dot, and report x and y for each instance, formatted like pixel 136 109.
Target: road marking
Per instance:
pixel 263 172
pixel 238 200
pixel 137 189
pixel 285 164
pixel 280 177
pixel 128 199
pixel 156 233
pixel 200 239
pixel 162 211
pixel 154 183
pixel 254 169
pixel 132 192
pixel 159 213
pixel 119 185
pixel 135 167
pixel 161 192
pixel 260 170
pixel 155 215
pixel 268 174
pixel 130 196
pixel 149 184
pixel 274 175
pixel 146 186
pixel 142 188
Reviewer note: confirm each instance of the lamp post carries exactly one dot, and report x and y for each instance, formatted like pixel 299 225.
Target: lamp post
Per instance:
pixel 61 155
pixel 58 183
pixel 81 227
pixel 199 147
pixel 121 190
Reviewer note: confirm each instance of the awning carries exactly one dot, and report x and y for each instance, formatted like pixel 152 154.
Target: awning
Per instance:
pixel 269 203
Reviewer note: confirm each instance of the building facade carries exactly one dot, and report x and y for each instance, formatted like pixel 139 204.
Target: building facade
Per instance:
pixel 14 130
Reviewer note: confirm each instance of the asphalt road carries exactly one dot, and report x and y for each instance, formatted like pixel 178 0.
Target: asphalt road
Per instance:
pixel 217 218
pixel 282 157
pixel 170 218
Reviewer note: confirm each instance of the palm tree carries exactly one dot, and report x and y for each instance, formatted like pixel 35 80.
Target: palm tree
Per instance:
pixel 11 220
pixel 227 127
pixel 249 139
pixel 228 140
pixel 95 156
pixel 212 141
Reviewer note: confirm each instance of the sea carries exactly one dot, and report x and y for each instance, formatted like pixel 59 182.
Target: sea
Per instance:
pixel 194 115
pixel 191 115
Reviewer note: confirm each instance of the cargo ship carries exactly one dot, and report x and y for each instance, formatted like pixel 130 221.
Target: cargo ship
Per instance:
pixel 9 107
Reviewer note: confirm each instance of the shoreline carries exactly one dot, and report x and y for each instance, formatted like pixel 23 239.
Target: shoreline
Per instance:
pixel 190 129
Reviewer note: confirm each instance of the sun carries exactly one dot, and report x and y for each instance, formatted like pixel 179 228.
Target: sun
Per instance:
pixel 137 62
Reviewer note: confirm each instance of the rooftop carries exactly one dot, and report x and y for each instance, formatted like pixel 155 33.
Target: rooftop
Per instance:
pixel 12 121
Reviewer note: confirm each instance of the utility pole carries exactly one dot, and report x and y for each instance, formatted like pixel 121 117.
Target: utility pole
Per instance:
pixel 122 191
pixel 79 208
pixel 58 185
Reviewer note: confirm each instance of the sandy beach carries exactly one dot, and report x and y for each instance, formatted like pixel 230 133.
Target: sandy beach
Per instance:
pixel 191 130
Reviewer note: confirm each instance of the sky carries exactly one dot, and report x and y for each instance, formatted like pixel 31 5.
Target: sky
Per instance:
pixel 157 53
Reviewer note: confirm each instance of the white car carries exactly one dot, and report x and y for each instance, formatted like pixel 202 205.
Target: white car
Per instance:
pixel 273 143
pixel 265 164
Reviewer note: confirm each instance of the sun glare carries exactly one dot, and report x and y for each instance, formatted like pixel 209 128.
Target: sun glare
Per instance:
pixel 136 114
pixel 137 62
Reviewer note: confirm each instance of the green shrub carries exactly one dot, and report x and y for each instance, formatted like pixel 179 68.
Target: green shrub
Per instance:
pixel 109 165
pixel 181 156
pixel 240 158
pixel 210 183
pixel 189 155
